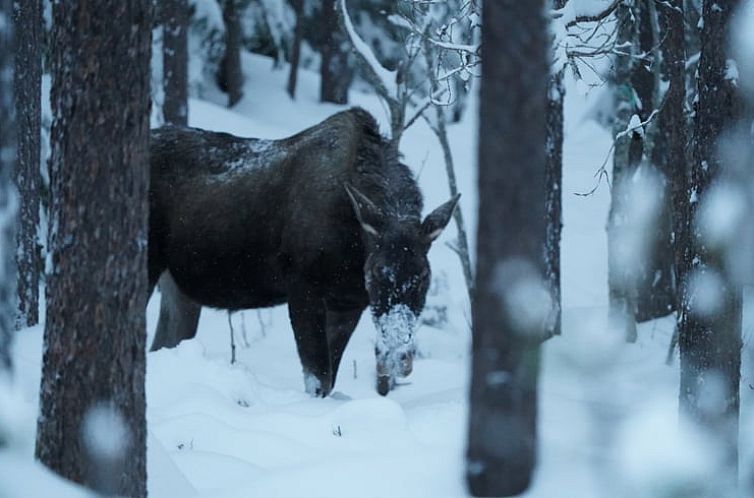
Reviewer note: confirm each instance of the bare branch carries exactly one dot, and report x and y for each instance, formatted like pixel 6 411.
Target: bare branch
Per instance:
pixel 432 99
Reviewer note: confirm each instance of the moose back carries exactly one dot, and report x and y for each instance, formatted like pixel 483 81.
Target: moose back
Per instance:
pixel 328 221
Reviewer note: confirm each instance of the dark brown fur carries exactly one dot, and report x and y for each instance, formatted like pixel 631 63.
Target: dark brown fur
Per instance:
pixel 245 223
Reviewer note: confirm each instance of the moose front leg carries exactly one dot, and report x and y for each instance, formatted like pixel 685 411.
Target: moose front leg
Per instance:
pixel 340 327
pixel 308 317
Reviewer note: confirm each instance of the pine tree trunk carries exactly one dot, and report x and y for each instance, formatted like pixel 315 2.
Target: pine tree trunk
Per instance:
pixel 231 74
pixel 502 447
pixel 175 17
pixel 710 343
pixel 621 279
pixel 298 35
pixel 336 71
pixel 554 187
pixel 655 282
pixel 7 191
pixel 669 153
pixel 94 339
pixel 27 21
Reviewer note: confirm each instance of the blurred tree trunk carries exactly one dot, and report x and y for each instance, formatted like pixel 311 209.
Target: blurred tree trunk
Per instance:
pixel 710 342
pixel 298 35
pixel 554 185
pixel 7 191
pixel 94 341
pixel 230 78
pixel 27 78
pixel 655 282
pixel 621 279
pixel 336 71
pixel 502 445
pixel 669 153
pixel 175 17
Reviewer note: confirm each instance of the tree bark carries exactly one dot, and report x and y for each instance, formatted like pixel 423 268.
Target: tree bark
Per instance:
pixel 7 191
pixel 710 343
pixel 94 338
pixel 669 153
pixel 298 35
pixel 554 187
pixel 336 71
pixel 502 445
pixel 27 78
pixel 175 17
pixel 231 74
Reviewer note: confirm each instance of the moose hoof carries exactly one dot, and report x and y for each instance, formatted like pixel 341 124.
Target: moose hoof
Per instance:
pixel 384 384
pixel 315 387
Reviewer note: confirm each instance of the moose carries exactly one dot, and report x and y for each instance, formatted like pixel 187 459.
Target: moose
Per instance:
pixel 327 220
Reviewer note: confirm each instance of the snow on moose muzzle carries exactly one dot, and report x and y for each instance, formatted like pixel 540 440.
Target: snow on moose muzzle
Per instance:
pixel 394 347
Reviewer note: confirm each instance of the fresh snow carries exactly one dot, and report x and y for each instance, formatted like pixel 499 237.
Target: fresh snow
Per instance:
pixel 608 411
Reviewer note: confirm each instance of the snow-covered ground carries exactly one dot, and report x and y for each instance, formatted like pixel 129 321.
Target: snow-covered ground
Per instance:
pixel 608 419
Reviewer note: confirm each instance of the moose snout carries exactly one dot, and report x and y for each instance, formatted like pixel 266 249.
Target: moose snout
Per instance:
pixel 402 366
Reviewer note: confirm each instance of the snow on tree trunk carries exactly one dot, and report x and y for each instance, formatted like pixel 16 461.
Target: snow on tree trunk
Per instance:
pixel 336 71
pixel 8 199
pixel 511 303
pixel 27 20
pixel 231 74
pixel 94 340
pixel 554 185
pixel 692 15
pixel 710 324
pixel 175 17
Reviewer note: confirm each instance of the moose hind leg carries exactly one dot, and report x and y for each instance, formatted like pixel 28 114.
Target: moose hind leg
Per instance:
pixel 179 315
pixel 340 327
pixel 308 314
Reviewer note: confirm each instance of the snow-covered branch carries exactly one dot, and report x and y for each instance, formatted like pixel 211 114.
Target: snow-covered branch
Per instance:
pixel 571 18
pixel 470 49
pixel 377 74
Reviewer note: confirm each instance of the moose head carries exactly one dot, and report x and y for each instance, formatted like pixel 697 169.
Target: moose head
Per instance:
pixel 397 277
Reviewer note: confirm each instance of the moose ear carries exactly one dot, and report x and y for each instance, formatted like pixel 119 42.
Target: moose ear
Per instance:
pixel 437 220
pixel 368 214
